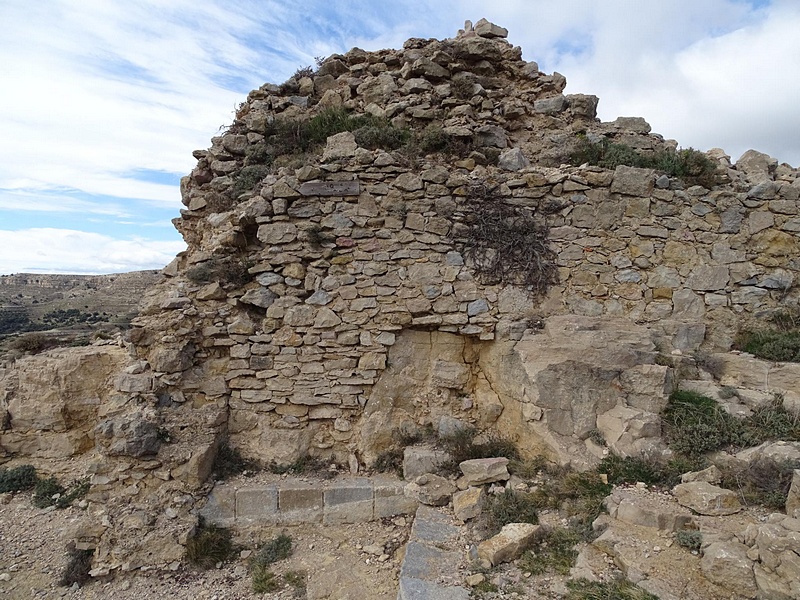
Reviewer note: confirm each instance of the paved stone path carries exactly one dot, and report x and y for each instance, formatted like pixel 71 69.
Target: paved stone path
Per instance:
pixel 430 568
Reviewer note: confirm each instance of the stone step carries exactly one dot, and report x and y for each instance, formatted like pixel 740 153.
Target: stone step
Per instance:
pixel 429 567
pixel 295 501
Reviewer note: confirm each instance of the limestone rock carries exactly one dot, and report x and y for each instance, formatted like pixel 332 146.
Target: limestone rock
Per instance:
pixel 633 181
pixel 710 475
pixel 418 461
pixel 707 499
pixel 129 435
pixel 510 543
pixel 757 166
pixel 467 504
pixel 793 499
pixel 431 490
pixel 340 145
pixel 727 565
pixel 483 470
pixel 513 160
pixel 489 30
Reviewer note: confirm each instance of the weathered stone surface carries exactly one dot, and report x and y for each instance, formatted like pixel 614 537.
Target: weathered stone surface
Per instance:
pixel 491 136
pixel 128 435
pixel 727 565
pixel 339 146
pixel 450 374
pixel 419 460
pixel 257 505
pixel 630 507
pixel 583 105
pixel 431 490
pixel 513 160
pixel 260 296
pixel 483 470
pixel 707 499
pixel 468 503
pixel 756 165
pixel 348 502
pixel 633 181
pixel 510 543
pixel 793 499
pixel 489 30
pixel 706 278
pixel 551 106
pixel 330 188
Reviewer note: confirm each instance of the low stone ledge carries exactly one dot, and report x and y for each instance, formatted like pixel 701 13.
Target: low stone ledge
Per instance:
pixel 293 502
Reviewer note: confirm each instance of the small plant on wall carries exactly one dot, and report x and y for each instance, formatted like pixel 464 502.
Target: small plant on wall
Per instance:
pixel 506 244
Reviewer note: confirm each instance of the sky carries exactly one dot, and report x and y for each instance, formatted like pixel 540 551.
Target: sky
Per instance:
pixel 103 101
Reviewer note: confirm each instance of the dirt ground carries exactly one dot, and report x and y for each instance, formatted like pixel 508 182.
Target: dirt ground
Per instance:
pixel 347 563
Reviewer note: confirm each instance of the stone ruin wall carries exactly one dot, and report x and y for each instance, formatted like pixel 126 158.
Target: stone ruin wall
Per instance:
pixel 353 249
pixel 363 315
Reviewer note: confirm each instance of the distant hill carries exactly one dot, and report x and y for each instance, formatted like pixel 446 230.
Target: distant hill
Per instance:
pixel 70 306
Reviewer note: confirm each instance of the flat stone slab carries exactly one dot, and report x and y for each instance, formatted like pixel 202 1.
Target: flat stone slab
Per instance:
pixel 330 188
pixel 706 499
pixel 433 527
pixel 418 589
pixel 426 561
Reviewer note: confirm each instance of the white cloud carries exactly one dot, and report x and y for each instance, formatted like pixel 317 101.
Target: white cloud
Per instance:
pixel 48 250
pixel 95 91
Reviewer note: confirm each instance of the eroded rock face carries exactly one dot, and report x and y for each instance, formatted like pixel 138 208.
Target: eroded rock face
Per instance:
pixel 53 399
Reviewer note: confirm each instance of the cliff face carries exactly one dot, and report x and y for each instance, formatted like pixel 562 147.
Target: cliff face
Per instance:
pixel 435 255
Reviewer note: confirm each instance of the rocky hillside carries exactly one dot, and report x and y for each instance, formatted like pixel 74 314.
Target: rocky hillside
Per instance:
pixel 69 306
pixel 405 237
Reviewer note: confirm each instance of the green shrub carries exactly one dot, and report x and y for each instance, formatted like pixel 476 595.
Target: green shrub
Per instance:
pixel 509 507
pixel 772 422
pixel 764 482
pixel 31 343
pixel 690 165
pixel 647 470
pixel 553 553
pixel 247 178
pixel 696 424
pixel 45 492
pixel 264 581
pixel 462 88
pixel 209 546
pixel 579 496
pixel 296 579
pixel 274 550
pixel 18 479
pixel 689 538
pixel 484 587
pixel 621 589
pixel 381 135
pixel 779 346
pixel 77 489
pixel 79 563
pixel 461 446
